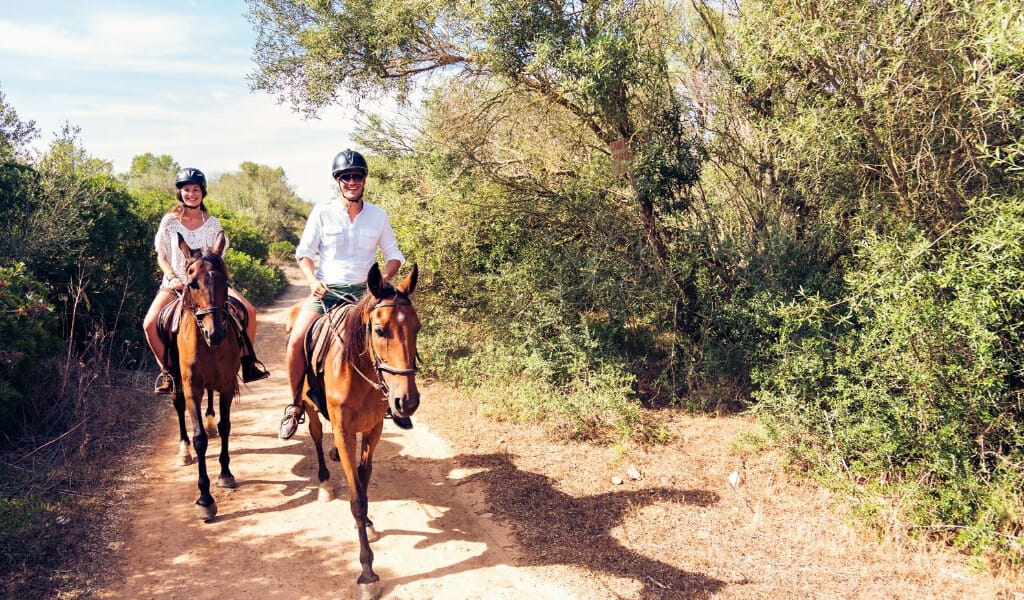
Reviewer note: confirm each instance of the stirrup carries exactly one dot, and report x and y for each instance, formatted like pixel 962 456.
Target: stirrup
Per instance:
pixel 290 423
pixel 254 371
pixel 164 384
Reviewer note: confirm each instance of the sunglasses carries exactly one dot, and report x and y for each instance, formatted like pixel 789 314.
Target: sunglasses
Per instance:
pixel 356 177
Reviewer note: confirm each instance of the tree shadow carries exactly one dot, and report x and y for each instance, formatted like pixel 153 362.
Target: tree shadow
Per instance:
pixel 555 528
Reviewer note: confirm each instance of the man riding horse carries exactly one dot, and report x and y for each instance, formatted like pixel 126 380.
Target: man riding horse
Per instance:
pixel 345 233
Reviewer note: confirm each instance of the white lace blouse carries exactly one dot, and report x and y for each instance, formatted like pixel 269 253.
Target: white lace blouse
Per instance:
pixel 166 241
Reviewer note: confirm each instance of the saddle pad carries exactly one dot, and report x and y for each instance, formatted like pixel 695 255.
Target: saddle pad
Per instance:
pixel 321 333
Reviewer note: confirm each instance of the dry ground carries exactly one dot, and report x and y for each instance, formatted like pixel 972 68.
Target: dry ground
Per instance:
pixel 471 508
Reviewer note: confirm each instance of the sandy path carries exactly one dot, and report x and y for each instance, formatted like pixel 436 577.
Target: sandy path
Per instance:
pixel 273 539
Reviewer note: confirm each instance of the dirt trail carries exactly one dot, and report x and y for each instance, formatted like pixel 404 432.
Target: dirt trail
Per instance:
pixel 273 539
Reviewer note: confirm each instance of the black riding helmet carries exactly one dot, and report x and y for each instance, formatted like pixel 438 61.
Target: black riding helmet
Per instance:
pixel 348 160
pixel 190 175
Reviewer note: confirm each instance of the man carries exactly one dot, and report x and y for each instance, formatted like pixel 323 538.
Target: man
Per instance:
pixel 345 233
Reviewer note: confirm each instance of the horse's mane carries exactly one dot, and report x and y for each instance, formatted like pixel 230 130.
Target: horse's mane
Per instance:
pixel 354 327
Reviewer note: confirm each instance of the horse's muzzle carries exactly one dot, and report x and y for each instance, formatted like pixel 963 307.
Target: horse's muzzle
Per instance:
pixel 404 405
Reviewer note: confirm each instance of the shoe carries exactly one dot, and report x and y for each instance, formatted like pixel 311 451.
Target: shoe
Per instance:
pixel 290 422
pixel 401 422
pixel 253 369
pixel 164 384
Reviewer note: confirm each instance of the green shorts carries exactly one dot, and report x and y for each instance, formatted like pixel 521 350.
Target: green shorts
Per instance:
pixel 348 293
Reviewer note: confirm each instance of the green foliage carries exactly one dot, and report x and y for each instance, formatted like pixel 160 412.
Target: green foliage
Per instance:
pixel 255 280
pixel 281 251
pixel 29 340
pixel 912 381
pixel 263 198
pixel 150 173
pixel 242 233
pixel 15 134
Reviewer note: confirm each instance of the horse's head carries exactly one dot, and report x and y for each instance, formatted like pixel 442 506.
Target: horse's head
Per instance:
pixel 206 288
pixel 391 328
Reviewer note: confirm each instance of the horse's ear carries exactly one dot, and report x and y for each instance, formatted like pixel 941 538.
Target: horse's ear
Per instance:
pixel 219 243
pixel 375 282
pixel 409 283
pixel 188 252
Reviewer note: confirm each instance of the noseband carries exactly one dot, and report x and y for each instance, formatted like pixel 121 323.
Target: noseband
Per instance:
pixel 199 313
pixel 379 366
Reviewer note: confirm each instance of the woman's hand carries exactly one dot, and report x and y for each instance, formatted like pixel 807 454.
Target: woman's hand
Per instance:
pixel 177 283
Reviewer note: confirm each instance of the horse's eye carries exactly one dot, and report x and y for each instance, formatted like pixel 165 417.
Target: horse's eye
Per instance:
pixel 379 332
pixel 192 283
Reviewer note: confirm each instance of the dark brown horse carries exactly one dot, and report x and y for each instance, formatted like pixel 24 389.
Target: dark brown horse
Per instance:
pixel 206 359
pixel 370 365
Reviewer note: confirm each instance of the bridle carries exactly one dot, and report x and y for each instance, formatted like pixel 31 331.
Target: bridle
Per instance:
pixel 199 313
pixel 379 366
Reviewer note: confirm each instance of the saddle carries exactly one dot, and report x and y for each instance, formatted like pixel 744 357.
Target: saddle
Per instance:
pixel 169 320
pixel 326 329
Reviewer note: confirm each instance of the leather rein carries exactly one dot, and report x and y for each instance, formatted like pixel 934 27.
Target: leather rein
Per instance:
pixel 199 313
pixel 379 366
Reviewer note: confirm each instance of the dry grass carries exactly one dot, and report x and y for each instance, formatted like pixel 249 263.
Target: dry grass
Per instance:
pixel 682 531
pixel 62 493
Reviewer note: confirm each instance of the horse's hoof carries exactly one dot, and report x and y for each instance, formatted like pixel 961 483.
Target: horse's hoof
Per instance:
pixel 369 591
pixel 206 513
pixel 184 454
pixel 227 482
pixel 326 493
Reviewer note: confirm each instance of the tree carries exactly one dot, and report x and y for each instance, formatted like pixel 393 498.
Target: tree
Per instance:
pixel 151 172
pixel 603 62
pixel 15 134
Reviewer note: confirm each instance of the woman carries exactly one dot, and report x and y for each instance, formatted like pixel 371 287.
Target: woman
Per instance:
pixel 200 230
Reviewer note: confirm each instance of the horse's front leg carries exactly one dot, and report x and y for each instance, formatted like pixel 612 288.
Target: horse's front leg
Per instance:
pixel 206 507
pixel 370 441
pixel 226 480
pixel 211 415
pixel 323 475
pixel 369 582
pixel 184 454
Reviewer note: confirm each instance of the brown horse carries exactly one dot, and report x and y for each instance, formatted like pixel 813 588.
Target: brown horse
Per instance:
pixel 370 365
pixel 206 358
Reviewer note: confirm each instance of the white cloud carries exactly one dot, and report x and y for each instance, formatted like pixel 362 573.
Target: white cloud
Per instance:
pixel 164 83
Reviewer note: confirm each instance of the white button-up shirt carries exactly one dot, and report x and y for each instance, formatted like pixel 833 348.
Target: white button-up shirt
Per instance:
pixel 347 248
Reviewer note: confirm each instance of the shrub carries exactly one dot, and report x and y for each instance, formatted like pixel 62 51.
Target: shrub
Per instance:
pixel 256 281
pixel 28 341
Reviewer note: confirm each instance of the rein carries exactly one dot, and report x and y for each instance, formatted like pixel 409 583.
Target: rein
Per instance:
pixel 199 313
pixel 379 366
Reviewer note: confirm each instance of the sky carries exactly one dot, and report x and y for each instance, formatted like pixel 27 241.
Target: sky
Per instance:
pixel 165 77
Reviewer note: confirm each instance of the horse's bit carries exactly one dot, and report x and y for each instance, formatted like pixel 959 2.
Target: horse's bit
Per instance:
pixel 379 366
pixel 198 314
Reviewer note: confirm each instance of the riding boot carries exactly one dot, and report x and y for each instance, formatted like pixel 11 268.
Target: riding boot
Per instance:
pixel 253 369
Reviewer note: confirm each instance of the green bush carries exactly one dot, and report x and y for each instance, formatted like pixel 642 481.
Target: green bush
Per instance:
pixel 256 281
pixel 909 386
pixel 282 251
pixel 29 341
